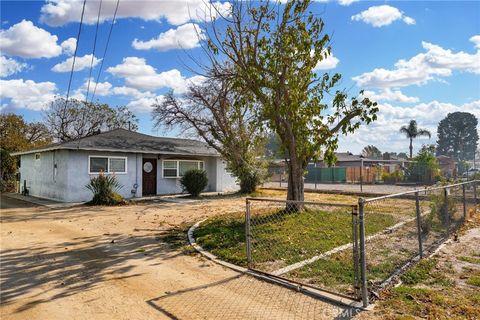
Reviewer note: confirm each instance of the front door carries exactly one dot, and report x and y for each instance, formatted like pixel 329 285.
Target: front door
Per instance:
pixel 149 180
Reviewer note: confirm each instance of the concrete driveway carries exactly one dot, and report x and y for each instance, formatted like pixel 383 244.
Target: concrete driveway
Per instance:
pixel 113 263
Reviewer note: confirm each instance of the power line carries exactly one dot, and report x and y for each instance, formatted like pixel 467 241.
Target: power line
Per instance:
pixel 75 53
pixel 105 52
pixel 93 53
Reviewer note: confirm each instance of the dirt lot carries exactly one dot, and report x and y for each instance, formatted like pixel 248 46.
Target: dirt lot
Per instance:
pixel 114 263
pixel 444 286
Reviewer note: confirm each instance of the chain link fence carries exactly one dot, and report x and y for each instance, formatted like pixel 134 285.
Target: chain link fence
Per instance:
pixel 353 250
pixel 301 241
pixel 426 218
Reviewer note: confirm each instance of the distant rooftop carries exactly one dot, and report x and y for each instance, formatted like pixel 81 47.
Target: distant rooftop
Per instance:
pixel 121 140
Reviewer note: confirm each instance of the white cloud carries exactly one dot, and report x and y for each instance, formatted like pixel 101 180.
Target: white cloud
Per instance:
pixel 27 94
pixel 28 41
pixel 103 88
pixel 435 62
pixel 390 95
pixel 141 76
pixel 144 104
pixel 329 63
pixel 10 66
pixel 61 12
pixel 476 40
pixel 131 92
pixel 187 36
pixel 80 64
pixel 69 46
pixel 384 134
pixel 347 2
pixel 408 20
pixel 379 16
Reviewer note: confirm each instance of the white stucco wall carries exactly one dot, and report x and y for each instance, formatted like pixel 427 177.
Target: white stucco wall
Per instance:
pixel 219 179
pixel 42 178
pixel 79 177
pixel 224 180
pixel 67 182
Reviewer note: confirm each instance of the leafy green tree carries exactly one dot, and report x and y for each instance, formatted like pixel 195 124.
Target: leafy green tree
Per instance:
pixel 458 136
pixel 17 135
pixel 412 132
pixel 372 152
pixel 77 119
pixel 271 51
pixel 425 167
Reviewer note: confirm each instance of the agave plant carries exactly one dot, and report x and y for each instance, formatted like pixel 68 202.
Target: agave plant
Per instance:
pixel 104 188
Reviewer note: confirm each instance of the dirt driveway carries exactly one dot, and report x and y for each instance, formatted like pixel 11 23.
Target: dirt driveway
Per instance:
pixel 113 263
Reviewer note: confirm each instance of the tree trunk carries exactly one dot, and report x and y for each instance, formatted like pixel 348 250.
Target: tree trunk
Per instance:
pixel 411 148
pixel 295 186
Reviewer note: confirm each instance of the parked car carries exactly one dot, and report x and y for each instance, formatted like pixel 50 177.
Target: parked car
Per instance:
pixel 470 173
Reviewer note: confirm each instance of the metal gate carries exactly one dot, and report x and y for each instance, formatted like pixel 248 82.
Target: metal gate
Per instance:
pixel 311 244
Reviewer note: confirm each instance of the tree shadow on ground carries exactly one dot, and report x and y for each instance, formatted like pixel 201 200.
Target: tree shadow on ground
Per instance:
pixel 244 297
pixel 71 267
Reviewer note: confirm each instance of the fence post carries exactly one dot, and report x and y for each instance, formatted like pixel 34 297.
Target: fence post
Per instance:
pixel 475 196
pixel 316 174
pixel 464 203
pixel 356 280
pixel 419 225
pixel 363 262
pixel 447 215
pixel 247 233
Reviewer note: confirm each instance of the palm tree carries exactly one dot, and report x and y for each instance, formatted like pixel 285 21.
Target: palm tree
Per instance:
pixel 412 132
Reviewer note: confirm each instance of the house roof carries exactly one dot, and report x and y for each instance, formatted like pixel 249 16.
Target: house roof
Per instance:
pixel 121 140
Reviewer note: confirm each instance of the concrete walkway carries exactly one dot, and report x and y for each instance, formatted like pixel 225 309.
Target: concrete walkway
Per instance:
pixel 41 201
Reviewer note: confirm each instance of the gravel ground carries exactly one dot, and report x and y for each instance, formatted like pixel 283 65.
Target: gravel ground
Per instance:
pixel 111 263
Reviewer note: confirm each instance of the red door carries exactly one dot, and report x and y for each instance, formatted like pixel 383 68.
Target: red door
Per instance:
pixel 149 177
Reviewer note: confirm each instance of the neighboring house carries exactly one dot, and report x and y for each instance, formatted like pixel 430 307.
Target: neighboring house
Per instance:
pixel 144 165
pixel 447 166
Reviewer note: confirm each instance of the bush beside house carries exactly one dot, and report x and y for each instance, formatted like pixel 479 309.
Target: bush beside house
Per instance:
pixel 194 182
pixel 104 189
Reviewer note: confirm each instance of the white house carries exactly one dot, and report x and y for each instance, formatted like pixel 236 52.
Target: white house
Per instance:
pixel 144 165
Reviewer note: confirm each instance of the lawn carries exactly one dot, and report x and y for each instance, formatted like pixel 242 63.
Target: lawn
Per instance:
pixel 280 238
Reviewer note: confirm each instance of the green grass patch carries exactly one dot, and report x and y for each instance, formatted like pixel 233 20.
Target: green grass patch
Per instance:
pixel 283 237
pixel 448 303
pixel 474 280
pixel 420 272
pixel 469 259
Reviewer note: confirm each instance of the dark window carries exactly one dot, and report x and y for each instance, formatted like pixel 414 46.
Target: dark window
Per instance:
pixel 98 164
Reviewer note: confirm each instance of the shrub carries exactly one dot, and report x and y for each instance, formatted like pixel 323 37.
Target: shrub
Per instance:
pixel 104 189
pixel 249 182
pixel 194 181
pixel 392 178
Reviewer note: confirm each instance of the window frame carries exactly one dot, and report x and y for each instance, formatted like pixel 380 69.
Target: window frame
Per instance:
pixel 108 163
pixel 178 167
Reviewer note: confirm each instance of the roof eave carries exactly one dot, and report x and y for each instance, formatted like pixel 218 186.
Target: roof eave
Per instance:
pixel 114 150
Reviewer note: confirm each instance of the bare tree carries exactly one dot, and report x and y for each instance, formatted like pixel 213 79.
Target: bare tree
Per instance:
pixel 77 119
pixel 223 118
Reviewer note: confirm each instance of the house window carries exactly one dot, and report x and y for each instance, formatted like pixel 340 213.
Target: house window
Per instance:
pixel 177 168
pixel 37 156
pixel 170 169
pixel 107 165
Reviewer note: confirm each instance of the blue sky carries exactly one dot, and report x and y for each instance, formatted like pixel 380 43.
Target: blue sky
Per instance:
pixel 419 60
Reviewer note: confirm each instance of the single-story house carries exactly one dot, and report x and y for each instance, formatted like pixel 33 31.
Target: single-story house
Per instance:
pixel 144 165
